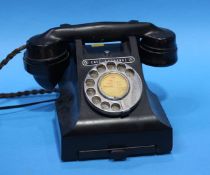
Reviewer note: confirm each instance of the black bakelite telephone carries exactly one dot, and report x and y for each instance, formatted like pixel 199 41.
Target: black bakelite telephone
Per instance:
pixel 105 109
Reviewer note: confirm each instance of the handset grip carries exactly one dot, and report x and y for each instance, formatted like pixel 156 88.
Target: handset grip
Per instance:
pixel 101 31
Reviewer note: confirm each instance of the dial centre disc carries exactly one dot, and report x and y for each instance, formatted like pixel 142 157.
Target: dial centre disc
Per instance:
pixel 113 85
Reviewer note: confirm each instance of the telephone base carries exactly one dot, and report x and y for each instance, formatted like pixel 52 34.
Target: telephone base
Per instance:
pixel 116 138
pixel 86 133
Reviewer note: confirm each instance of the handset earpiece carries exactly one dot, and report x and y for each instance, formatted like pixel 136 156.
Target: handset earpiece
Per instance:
pixel 158 48
pixel 46 59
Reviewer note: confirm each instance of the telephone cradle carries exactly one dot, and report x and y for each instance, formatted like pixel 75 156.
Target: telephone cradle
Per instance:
pixel 105 108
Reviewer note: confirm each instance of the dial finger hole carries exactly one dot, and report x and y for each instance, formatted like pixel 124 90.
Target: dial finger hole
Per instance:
pixel 101 68
pixel 105 105
pixel 90 82
pixel 129 72
pixel 115 107
pixel 91 92
pixel 121 67
pixel 96 100
pixel 93 74
pixel 111 65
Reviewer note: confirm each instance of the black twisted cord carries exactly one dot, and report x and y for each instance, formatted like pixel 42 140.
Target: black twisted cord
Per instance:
pixel 26 104
pixel 11 56
pixel 3 63
pixel 26 93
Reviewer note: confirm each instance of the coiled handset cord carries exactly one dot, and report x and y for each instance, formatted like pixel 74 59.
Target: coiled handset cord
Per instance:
pixel 3 63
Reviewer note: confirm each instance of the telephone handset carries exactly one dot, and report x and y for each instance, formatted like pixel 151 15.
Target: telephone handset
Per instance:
pixel 105 109
pixel 47 54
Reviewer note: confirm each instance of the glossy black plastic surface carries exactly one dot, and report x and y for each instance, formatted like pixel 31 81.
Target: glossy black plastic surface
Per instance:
pixel 56 56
